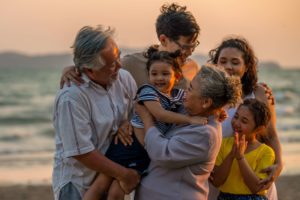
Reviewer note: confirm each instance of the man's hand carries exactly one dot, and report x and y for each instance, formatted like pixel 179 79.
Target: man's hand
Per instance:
pixel 129 180
pixel 124 134
pixel 69 74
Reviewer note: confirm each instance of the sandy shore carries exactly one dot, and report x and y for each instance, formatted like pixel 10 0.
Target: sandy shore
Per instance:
pixel 287 186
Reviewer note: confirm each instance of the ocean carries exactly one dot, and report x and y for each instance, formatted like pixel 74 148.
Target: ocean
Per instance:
pixel 27 135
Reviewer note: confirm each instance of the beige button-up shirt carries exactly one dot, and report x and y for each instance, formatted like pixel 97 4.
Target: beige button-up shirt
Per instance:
pixel 85 118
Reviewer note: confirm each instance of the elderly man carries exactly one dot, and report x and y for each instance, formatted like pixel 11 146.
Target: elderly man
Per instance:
pixel 87 116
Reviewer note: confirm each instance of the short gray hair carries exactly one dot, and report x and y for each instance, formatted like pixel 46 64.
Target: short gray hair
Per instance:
pixel 216 84
pixel 88 43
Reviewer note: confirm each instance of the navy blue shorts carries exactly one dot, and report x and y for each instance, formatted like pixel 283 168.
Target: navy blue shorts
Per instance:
pixel 228 196
pixel 131 156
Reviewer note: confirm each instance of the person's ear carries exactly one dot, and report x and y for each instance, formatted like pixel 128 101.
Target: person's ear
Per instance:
pixel 260 130
pixel 163 39
pixel 88 71
pixel 207 103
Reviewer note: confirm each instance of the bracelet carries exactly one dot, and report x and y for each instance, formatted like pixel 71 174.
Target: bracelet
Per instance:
pixel 240 158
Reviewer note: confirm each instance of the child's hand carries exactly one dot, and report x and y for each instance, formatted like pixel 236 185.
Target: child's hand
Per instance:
pixel 124 134
pixel 241 146
pixel 197 120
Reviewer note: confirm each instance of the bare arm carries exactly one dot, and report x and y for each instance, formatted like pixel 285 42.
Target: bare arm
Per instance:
pixel 221 172
pixel 181 150
pixel 248 174
pixel 160 114
pixel 271 138
pixel 94 160
pixel 70 74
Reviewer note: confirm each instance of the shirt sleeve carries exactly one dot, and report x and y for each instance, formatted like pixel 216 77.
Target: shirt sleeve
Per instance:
pixel 267 158
pixel 73 127
pixel 187 148
pixel 147 93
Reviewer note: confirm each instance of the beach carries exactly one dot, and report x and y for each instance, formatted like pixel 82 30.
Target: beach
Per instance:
pixel 287 187
pixel 27 134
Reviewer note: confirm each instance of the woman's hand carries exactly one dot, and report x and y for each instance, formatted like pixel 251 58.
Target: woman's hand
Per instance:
pixel 222 115
pixel 198 120
pixel 269 93
pixel 69 74
pixel 273 172
pixel 124 134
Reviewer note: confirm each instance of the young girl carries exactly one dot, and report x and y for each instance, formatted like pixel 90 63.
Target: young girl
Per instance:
pixel 241 158
pixel 163 101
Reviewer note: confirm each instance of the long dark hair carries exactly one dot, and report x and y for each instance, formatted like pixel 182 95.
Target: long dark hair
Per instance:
pixel 249 79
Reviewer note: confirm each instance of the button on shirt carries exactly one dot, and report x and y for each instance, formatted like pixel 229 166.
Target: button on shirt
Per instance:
pixel 85 118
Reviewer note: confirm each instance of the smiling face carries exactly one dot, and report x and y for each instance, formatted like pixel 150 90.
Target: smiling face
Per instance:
pixel 109 72
pixel 162 76
pixel 185 44
pixel 232 61
pixel 243 122
pixel 194 104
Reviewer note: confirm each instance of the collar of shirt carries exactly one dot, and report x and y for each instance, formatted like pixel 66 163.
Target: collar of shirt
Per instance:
pixel 89 83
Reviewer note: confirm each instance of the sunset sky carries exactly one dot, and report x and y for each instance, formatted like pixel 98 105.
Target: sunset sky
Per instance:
pixel 49 26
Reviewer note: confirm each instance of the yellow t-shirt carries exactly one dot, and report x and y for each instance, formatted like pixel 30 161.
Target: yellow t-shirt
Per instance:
pixel 258 159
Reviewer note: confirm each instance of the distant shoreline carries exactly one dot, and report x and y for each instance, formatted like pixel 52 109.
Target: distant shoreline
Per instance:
pixel 60 60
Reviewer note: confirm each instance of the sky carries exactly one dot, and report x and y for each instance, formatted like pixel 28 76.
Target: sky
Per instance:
pixel 49 26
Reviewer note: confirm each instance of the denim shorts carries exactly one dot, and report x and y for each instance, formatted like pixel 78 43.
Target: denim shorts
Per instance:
pixel 132 156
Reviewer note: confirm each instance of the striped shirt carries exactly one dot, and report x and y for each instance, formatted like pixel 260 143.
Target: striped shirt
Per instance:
pixel 149 93
pixel 85 119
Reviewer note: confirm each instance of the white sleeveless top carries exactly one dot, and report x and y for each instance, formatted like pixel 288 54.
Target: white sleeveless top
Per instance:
pixel 227 130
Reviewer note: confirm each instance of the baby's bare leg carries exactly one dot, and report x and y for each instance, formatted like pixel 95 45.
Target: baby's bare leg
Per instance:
pixel 98 188
pixel 115 191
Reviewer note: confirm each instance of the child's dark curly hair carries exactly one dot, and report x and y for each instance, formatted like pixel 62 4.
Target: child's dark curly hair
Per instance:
pixel 154 55
pixel 259 110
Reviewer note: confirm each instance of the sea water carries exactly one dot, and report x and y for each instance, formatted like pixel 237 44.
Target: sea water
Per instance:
pixel 26 105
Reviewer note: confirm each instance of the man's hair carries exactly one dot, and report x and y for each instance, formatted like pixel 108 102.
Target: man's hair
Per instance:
pixel 174 21
pixel 87 45
pixel 259 110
